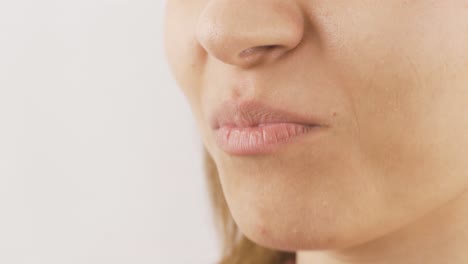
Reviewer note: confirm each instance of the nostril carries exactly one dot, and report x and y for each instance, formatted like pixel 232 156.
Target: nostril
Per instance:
pixel 259 49
pixel 249 33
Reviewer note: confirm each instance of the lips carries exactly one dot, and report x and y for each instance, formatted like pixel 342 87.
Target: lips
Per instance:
pixel 250 127
pixel 252 113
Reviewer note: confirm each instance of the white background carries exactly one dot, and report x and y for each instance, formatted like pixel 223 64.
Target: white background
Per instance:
pixel 100 160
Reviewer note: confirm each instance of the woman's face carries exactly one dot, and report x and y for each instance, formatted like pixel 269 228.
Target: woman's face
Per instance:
pixel 390 78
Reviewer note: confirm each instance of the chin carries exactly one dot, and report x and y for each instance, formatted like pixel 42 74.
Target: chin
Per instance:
pixel 291 222
pixel 325 230
pixel 291 241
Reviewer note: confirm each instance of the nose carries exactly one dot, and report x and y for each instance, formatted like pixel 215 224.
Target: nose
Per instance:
pixel 245 33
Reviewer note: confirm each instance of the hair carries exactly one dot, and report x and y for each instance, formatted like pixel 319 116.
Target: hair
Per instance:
pixel 236 247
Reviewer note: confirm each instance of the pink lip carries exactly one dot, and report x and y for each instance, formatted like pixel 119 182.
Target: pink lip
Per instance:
pixel 249 127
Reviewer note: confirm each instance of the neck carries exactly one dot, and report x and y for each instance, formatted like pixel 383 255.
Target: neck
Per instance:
pixel 439 237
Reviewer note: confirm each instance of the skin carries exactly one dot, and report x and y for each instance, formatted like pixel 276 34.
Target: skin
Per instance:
pixel 386 181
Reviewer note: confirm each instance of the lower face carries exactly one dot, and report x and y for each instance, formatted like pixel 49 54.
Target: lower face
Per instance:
pixel 392 79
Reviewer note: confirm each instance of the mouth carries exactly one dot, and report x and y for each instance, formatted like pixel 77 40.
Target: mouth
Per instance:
pixel 262 139
pixel 250 128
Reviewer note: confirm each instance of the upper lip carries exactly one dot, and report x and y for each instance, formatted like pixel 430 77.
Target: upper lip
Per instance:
pixel 254 113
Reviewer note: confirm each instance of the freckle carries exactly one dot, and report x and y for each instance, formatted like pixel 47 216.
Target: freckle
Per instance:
pixel 263 231
pixel 334 113
pixel 236 93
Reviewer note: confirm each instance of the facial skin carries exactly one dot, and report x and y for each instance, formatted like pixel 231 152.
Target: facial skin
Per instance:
pixel 390 77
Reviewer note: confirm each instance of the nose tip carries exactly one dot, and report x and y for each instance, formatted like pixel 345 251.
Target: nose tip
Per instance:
pixel 246 33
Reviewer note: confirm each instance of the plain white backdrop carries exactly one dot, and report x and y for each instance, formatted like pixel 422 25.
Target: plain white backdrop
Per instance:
pixel 100 160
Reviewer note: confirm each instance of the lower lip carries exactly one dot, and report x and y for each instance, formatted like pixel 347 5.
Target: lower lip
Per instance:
pixel 262 139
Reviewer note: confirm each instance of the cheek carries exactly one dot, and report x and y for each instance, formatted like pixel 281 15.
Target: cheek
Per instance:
pixel 183 53
pixel 408 80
